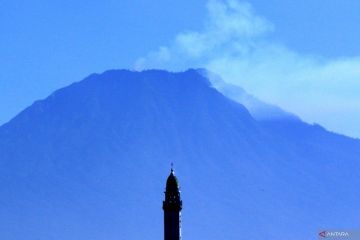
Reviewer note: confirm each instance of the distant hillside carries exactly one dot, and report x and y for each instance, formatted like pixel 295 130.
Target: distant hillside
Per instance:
pixel 91 160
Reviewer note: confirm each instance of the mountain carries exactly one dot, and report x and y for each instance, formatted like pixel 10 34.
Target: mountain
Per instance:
pixel 90 162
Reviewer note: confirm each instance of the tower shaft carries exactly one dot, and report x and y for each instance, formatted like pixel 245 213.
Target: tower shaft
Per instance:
pixel 172 227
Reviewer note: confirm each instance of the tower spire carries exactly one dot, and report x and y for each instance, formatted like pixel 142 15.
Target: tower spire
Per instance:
pixel 172 206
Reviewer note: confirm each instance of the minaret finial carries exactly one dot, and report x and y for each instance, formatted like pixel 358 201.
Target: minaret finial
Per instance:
pixel 172 167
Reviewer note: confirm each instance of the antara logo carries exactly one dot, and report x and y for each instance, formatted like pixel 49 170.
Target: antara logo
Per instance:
pixel 322 234
pixel 325 234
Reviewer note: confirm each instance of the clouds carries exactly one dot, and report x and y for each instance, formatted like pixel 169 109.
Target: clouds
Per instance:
pixel 237 44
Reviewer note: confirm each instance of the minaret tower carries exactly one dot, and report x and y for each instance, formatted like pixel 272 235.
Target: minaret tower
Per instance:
pixel 172 207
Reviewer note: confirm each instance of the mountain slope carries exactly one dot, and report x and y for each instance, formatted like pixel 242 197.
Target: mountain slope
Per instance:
pixel 260 110
pixel 90 162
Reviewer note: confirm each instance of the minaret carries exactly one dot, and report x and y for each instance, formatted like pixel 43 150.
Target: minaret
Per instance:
pixel 172 207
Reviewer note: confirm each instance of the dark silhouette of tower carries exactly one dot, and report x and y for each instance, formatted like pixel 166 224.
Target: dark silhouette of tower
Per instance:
pixel 172 207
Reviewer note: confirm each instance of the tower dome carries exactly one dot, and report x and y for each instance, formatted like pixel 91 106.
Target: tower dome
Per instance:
pixel 172 184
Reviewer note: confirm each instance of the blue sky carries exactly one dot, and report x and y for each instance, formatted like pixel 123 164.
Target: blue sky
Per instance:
pixel 300 55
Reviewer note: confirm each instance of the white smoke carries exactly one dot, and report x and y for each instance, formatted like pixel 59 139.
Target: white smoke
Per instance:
pixel 235 43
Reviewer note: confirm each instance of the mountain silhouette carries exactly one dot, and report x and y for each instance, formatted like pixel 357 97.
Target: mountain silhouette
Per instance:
pixel 91 160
